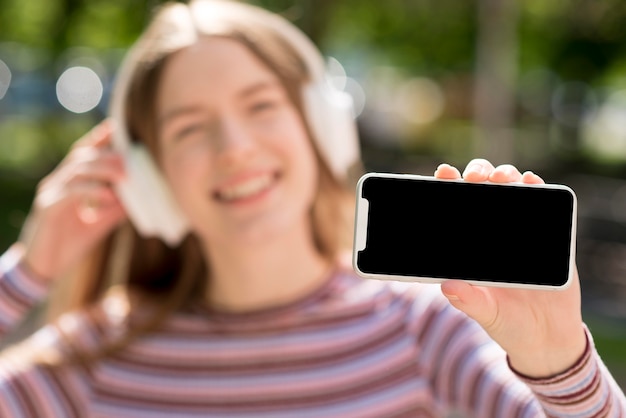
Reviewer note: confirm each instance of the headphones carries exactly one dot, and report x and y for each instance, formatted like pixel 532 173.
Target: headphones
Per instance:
pixel 146 195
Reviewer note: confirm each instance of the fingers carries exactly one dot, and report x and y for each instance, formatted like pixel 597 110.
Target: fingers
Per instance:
pixel 86 176
pixel 475 301
pixel 92 160
pixel 105 166
pixel 481 170
pixel 505 173
pixel 531 178
pixel 478 170
pixel 85 166
pixel 99 136
pixel 92 170
pixel 97 203
pixel 446 171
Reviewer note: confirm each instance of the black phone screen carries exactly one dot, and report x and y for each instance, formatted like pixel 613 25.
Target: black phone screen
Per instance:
pixel 475 231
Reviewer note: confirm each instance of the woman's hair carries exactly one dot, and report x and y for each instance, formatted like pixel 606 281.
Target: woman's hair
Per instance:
pixel 151 275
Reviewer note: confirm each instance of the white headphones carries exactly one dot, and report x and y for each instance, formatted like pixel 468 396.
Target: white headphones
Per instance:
pixel 145 193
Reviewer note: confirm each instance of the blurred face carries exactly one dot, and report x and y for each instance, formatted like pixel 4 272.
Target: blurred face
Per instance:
pixel 233 146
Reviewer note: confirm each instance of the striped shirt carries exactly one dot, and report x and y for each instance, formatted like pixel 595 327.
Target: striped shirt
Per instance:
pixel 352 348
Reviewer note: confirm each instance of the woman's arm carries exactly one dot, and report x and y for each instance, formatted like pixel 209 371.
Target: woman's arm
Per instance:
pixel 468 372
pixel 75 206
pixel 542 332
pixel 586 388
pixel 20 289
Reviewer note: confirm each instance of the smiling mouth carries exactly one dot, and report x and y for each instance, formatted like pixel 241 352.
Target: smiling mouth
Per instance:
pixel 246 189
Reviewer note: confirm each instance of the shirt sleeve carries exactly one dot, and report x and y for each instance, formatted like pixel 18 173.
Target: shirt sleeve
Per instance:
pixel 586 389
pixel 469 373
pixel 467 370
pixel 20 289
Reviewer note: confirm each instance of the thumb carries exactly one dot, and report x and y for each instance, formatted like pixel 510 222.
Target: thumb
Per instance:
pixel 474 301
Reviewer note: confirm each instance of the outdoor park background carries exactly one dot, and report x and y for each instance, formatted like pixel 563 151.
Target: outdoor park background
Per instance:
pixel 538 84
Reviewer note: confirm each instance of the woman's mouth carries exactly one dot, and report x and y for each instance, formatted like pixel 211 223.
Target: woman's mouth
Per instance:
pixel 247 189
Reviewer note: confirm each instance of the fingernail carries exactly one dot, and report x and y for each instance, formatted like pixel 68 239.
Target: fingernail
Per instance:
pixel 475 168
pixel 451 297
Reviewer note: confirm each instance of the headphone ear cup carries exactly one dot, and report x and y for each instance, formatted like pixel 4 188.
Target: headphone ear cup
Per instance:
pixel 144 193
pixel 147 199
pixel 330 113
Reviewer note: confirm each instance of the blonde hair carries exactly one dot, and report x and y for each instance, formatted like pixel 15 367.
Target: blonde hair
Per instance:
pixel 150 273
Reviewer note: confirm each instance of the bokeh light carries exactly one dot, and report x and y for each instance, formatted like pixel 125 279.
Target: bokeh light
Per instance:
pixel 5 78
pixel 357 92
pixel 604 131
pixel 339 79
pixel 572 102
pixel 79 89
pixel 420 100
pixel 336 72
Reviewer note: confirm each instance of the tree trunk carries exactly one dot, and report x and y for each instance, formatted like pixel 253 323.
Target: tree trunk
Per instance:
pixel 495 77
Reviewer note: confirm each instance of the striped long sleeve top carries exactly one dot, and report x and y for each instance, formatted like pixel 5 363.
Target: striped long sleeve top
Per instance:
pixel 352 348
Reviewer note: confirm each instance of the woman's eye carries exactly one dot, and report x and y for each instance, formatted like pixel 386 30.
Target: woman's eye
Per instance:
pixel 260 107
pixel 188 130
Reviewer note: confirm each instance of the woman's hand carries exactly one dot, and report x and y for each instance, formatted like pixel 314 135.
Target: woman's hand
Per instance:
pixel 75 206
pixel 540 330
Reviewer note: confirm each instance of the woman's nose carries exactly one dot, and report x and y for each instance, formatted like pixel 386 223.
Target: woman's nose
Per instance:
pixel 233 140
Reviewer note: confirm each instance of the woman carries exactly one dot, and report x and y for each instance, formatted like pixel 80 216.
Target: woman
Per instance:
pixel 246 309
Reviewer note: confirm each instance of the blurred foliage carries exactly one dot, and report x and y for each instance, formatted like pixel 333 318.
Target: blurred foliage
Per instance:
pixel 609 337
pixel 59 24
pixel 576 40
pixel 581 40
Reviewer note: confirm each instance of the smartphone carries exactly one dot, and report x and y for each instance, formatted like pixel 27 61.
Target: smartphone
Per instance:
pixel 419 228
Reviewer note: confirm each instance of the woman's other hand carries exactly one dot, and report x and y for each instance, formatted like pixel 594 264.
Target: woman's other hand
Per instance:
pixel 541 331
pixel 75 206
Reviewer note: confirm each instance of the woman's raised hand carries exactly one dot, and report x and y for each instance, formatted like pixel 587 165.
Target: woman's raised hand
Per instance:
pixel 75 206
pixel 541 331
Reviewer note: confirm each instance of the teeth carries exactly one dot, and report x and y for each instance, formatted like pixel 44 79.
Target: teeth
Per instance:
pixel 246 189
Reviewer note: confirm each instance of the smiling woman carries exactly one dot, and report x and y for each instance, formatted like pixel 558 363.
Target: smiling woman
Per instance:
pixel 220 288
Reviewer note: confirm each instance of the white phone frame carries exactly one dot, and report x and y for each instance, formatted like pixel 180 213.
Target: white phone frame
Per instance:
pixel 361 226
